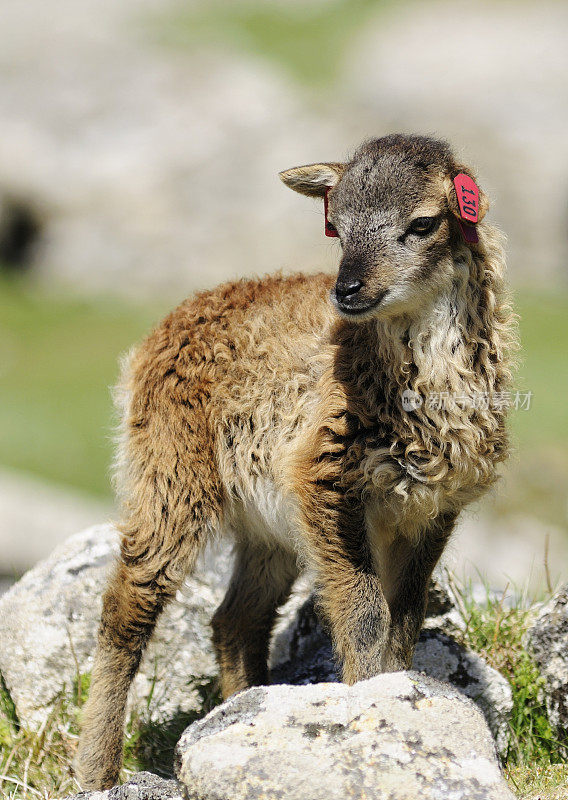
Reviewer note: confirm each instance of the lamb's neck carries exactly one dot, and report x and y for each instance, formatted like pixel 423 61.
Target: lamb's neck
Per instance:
pixel 434 351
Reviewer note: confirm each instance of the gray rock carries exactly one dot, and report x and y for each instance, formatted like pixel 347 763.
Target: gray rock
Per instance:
pixel 441 599
pixel 302 654
pixel 48 623
pixel 399 736
pixel 547 639
pixel 143 786
pixel 481 546
pixel 442 612
pixel 440 656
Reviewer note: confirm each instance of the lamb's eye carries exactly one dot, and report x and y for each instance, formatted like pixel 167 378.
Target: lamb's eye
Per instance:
pixel 422 226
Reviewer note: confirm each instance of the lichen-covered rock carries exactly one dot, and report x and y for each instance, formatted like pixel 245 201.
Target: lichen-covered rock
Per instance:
pixel 547 640
pixel 302 653
pixel 442 657
pixel 399 736
pixel 143 786
pixel 48 623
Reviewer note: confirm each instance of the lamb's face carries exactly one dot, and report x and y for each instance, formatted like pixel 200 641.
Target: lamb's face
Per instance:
pixel 393 207
pixel 392 217
pixel 393 222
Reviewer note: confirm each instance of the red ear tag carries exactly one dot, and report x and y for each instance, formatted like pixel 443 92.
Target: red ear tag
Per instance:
pixel 468 197
pixel 329 228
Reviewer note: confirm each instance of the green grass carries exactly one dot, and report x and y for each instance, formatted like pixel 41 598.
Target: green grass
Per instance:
pixel 150 745
pixel 306 41
pixel 537 473
pixel 38 763
pixel 58 360
pixel 540 783
pixel 544 368
pixel 497 634
pixel 535 764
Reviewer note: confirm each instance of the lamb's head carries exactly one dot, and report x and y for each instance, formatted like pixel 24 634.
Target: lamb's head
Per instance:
pixel 395 210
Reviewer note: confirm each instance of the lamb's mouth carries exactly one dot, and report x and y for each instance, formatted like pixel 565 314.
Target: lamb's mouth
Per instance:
pixel 354 310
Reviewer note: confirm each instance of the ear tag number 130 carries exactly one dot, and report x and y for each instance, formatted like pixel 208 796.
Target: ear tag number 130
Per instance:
pixel 468 197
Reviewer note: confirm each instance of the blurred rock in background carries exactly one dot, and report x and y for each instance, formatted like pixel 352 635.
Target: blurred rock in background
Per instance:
pixel 516 554
pixel 153 165
pixel 35 517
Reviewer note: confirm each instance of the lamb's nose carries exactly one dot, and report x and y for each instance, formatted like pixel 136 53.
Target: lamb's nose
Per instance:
pixel 345 289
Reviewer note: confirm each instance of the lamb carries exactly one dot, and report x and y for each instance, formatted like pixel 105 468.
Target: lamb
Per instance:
pixel 277 411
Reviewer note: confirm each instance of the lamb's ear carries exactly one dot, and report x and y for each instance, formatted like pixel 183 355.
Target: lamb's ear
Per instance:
pixel 482 202
pixel 312 179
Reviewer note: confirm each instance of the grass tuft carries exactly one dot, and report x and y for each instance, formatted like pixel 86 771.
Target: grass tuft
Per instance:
pixel 150 745
pixel 534 763
pixel 38 763
pixel 7 707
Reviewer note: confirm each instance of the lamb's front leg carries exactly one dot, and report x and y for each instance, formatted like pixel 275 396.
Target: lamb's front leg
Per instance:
pixel 372 632
pixel 374 627
pixel 353 602
pixel 409 565
pixel 350 594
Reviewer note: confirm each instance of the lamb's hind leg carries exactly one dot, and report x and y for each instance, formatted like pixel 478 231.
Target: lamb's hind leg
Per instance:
pixel 242 625
pixel 153 563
